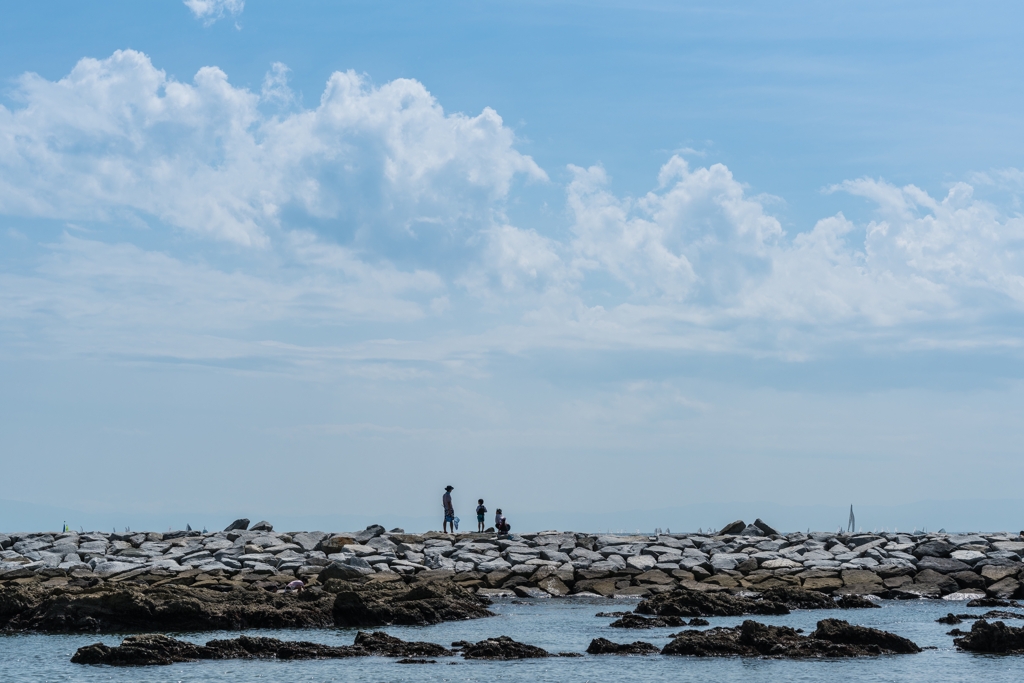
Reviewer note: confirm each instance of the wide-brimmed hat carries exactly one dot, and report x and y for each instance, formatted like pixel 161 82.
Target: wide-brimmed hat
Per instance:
pixel 448 488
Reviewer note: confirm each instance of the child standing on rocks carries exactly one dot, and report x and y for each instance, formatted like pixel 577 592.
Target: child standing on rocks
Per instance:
pixel 480 512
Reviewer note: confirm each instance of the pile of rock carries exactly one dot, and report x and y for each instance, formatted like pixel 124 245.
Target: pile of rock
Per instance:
pixel 741 557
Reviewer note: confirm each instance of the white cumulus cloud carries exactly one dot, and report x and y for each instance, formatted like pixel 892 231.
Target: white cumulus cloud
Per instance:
pixel 209 11
pixel 117 137
pixel 378 207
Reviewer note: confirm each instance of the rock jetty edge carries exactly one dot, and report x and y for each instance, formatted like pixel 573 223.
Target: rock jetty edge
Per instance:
pixel 237 578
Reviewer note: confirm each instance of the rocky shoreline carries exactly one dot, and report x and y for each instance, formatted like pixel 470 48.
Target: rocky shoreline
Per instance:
pixel 237 578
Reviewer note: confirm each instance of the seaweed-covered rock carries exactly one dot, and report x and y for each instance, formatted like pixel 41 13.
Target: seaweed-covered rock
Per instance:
pixel 795 597
pixel 422 602
pixel 691 603
pixel 113 607
pixel 119 607
pixel 832 638
pixel 502 647
pixel 603 646
pixel 992 637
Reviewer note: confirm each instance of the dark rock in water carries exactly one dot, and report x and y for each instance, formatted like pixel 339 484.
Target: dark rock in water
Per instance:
pixel 152 649
pixel 691 603
pixel 423 602
pixel 246 647
pixel 261 526
pixel 997 614
pixel 851 601
pixel 832 638
pixel 416 661
pixel 956 632
pixel 138 651
pixel 843 633
pixel 631 620
pixel 768 531
pixel 732 529
pixel 602 646
pixel 995 638
pixel 502 647
pixel 380 643
pixel 949 619
pixel 613 614
pixel 697 621
pixel 238 525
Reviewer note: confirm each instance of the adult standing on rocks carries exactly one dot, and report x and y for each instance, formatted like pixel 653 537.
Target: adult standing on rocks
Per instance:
pixel 449 510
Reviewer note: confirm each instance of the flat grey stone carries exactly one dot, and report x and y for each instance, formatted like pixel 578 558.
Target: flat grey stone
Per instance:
pixel 107 569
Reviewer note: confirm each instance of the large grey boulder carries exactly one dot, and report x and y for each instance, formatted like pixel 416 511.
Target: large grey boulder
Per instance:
pixel 262 526
pixel 372 531
pixel 345 572
pixel 308 540
pixel 733 529
pixel 106 569
pixel 943 565
pixel 554 555
pixel 768 531
pixel 238 525
pixel 936 548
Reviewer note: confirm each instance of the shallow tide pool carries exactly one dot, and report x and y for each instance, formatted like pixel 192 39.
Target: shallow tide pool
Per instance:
pixel 557 626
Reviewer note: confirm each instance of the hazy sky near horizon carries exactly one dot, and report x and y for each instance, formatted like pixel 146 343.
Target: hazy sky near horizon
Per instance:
pixel 318 258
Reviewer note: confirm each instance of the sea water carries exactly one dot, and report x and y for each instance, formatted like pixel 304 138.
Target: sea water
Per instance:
pixel 566 625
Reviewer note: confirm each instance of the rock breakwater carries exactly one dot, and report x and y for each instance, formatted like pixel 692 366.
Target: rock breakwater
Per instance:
pixel 80 581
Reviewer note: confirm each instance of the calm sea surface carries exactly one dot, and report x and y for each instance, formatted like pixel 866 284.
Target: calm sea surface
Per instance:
pixel 556 625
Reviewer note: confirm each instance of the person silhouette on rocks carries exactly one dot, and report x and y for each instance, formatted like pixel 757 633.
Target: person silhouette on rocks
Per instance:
pixel 449 510
pixel 481 510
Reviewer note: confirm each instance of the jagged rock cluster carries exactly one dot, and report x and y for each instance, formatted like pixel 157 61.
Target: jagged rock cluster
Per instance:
pixel 749 557
pixel 157 649
pixel 832 638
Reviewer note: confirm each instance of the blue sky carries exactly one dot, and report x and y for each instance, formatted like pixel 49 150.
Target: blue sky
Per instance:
pixel 317 260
